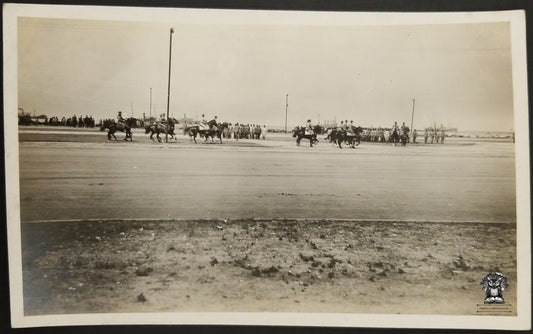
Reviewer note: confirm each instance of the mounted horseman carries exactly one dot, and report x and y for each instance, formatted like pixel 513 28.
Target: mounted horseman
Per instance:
pixel 346 132
pixel 353 135
pixel 395 133
pixel 119 125
pixel 201 128
pixel 404 134
pixel 307 132
pixel 166 127
pixel 215 129
pixel 207 129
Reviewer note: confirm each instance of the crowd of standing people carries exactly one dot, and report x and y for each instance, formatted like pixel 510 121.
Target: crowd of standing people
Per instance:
pixel 74 121
pixel 234 130
pixel 246 131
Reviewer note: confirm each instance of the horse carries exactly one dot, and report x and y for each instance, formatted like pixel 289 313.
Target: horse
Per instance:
pixel 216 130
pixel 113 127
pixel 404 136
pixel 353 136
pixel 213 131
pixel 350 137
pixel 299 133
pixel 394 136
pixel 133 122
pixel 194 130
pixel 158 128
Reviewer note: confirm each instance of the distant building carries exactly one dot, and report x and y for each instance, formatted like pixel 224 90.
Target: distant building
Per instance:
pixel 41 119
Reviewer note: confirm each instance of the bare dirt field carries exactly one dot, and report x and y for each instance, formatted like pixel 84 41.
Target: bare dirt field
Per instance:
pixel 262 225
pixel 272 265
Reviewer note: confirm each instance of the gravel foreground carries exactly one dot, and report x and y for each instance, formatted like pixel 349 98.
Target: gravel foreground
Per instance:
pixel 263 265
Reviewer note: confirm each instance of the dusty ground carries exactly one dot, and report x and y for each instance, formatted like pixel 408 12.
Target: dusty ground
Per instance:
pixel 87 180
pixel 286 266
pixel 424 252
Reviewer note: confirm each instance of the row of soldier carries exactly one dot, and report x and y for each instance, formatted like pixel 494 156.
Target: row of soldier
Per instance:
pixel 383 135
pixel 74 121
pixel 245 131
pixel 236 131
pixel 386 135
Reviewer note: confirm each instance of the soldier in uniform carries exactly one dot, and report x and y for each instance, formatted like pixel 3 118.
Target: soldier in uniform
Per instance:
pixel 308 128
pixel 203 123
pixel 414 136
pixel 121 122
pixel 442 134
pixel 405 129
pixel 351 128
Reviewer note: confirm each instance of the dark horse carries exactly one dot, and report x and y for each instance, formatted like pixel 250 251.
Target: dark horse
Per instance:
pixel 398 136
pixel 299 133
pixel 113 127
pixel 158 128
pixel 338 136
pixel 214 130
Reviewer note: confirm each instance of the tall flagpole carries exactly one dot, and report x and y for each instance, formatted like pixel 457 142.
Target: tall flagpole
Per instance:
pixel 150 104
pixel 168 93
pixel 412 116
pixel 286 109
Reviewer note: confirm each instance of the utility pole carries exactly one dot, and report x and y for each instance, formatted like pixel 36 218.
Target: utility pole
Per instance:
pixel 150 104
pixel 412 115
pixel 286 110
pixel 168 93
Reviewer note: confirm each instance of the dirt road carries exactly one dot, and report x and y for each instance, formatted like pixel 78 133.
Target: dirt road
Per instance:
pixel 183 181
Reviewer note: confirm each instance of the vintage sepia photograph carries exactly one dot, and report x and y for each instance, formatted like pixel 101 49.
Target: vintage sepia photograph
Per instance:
pixel 203 166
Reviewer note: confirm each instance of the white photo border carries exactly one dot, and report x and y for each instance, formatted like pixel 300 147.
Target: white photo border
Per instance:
pixel 11 12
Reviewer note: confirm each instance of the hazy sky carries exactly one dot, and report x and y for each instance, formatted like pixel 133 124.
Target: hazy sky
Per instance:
pixel 459 74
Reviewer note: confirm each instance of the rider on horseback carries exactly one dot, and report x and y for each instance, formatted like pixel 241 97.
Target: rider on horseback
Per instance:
pixel 121 122
pixel 309 128
pixel 213 123
pixel 350 128
pixel 120 119
pixel 203 123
